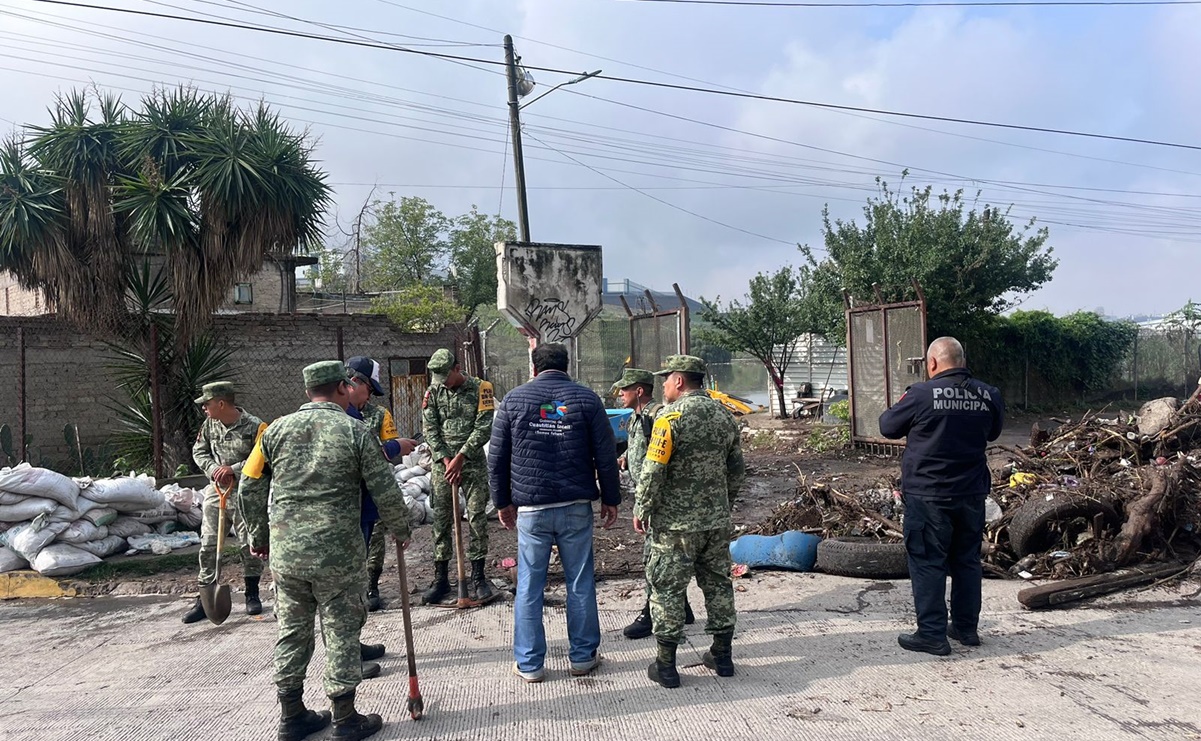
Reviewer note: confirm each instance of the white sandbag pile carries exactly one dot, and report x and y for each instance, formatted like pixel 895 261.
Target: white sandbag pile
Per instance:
pixel 413 477
pixel 61 526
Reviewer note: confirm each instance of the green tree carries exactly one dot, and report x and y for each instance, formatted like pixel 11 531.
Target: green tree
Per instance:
pixel 473 237
pixel 175 199
pixel 405 244
pixel 418 308
pixel 766 325
pixel 972 265
pixel 330 270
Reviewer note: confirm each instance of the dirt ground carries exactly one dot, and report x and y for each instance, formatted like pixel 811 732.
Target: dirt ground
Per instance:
pixel 773 462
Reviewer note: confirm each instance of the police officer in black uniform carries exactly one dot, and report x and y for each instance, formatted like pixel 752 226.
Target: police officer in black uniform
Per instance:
pixel 948 422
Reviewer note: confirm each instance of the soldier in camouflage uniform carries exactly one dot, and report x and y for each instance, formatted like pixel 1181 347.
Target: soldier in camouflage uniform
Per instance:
pixel 692 472
pixel 365 381
pixel 636 391
pixel 310 464
pixel 222 446
pixel 457 422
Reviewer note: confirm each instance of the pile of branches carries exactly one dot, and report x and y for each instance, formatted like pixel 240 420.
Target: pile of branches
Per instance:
pixel 1137 495
pixel 821 509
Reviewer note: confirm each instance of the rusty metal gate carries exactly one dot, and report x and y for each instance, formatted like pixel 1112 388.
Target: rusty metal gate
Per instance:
pixel 886 346
pixel 656 334
pixel 408 384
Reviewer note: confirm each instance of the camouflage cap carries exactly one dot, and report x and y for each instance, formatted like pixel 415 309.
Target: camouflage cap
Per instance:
pixel 327 371
pixel 216 390
pixel 441 363
pixel 632 376
pixel 682 364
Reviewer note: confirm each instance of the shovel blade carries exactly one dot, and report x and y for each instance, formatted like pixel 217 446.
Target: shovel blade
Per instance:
pixel 216 602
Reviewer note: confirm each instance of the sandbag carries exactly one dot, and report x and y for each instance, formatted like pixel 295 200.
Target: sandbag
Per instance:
pixel 100 515
pixel 163 544
pixel 190 520
pixel 27 509
pixel 127 527
pixel 792 550
pixel 30 538
pixel 182 499
pixel 422 481
pixel 81 531
pixel 10 560
pixel 126 494
pixel 65 514
pixel 412 491
pixel 39 482
pixel 109 546
pixel 61 559
pixel 417 513
pixel 163 513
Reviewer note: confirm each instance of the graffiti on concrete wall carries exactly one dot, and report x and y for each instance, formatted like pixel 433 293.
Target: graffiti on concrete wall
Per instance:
pixel 551 319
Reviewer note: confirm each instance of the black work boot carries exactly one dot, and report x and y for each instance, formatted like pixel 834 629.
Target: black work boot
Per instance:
pixel 663 669
pixel 371 651
pixel 196 614
pixel 373 603
pixel 689 618
pixel 914 642
pixel 254 605
pixel 350 724
pixel 371 670
pixel 481 590
pixel 966 637
pixel 295 720
pixel 719 657
pixel 441 586
pixel 641 627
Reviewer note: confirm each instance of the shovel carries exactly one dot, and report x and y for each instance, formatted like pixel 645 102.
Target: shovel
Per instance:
pixel 464 601
pixel 416 703
pixel 215 597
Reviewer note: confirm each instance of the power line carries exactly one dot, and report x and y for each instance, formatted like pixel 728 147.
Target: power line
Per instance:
pixel 651 83
pixel 932 4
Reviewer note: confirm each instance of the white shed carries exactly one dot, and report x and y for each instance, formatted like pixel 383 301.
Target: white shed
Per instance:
pixel 821 364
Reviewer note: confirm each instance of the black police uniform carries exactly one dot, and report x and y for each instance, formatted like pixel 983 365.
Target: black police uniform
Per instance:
pixel 948 422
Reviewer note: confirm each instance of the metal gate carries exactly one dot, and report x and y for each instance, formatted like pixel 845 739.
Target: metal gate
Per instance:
pixel 886 346
pixel 658 333
pixel 408 384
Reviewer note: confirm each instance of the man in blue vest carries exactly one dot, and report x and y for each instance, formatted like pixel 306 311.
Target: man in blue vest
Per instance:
pixel 948 422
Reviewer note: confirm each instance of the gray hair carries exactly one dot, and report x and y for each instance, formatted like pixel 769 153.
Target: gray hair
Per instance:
pixel 948 351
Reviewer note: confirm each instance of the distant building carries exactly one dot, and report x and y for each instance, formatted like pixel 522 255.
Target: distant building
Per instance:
pixel 635 295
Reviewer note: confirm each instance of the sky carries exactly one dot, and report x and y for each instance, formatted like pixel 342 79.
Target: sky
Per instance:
pixel 679 186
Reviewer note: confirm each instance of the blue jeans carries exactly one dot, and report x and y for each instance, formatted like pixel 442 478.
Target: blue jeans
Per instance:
pixel 570 528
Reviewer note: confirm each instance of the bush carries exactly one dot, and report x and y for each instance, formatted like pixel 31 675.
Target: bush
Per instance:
pixel 841 410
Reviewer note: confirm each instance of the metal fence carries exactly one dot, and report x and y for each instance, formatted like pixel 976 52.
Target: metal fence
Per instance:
pixel 886 346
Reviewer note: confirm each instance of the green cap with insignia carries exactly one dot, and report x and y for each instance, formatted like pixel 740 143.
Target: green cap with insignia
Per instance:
pixel 632 376
pixel 327 371
pixel 441 363
pixel 217 390
pixel 682 364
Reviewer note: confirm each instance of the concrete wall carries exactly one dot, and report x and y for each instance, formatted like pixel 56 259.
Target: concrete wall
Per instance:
pixel 18 301
pixel 67 380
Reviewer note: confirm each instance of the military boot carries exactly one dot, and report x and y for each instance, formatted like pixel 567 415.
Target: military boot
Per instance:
pixel 441 586
pixel 350 724
pixel 196 614
pixel 481 590
pixel 373 603
pixel 371 651
pixel 295 720
pixel 641 627
pixel 719 657
pixel 371 670
pixel 254 605
pixel 663 669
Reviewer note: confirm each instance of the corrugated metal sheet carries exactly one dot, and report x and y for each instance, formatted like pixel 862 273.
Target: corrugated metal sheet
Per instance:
pixel 817 362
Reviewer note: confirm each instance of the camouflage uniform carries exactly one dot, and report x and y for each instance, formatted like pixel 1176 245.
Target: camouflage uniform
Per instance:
pixel 454 421
pixel 636 444
pixel 216 446
pixel 379 419
pixel 693 470
pixel 310 464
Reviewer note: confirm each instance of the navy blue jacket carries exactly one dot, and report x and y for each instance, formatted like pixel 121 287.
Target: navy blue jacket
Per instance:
pixel 552 443
pixel 948 422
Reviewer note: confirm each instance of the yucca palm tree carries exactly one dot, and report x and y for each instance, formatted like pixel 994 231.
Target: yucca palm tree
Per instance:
pixel 126 218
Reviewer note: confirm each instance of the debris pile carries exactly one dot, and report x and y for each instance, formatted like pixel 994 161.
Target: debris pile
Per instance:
pixel 1101 493
pixel 821 509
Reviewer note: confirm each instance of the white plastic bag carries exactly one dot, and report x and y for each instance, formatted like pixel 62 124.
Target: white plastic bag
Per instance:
pixel 61 559
pixel 127 527
pixel 27 509
pixel 81 531
pixel 184 500
pixel 10 560
pixel 39 482
pixel 155 543
pixel 30 538
pixel 126 494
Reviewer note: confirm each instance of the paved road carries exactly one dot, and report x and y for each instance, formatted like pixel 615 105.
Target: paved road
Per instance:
pixel 817 659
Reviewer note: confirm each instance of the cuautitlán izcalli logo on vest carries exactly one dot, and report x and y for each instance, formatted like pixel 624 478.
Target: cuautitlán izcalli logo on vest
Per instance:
pixel 553 418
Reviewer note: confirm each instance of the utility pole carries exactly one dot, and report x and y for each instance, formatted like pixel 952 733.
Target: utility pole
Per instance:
pixel 523 214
